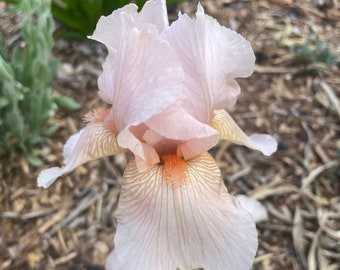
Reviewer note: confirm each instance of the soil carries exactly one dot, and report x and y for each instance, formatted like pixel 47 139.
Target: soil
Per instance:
pixel 71 225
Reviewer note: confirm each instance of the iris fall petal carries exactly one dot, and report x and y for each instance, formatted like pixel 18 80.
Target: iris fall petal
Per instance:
pixel 112 262
pixel 254 207
pixel 229 130
pixel 97 139
pixel 181 216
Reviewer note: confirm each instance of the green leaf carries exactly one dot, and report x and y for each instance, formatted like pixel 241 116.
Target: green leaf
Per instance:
pixel 173 2
pixel 12 1
pixel 73 34
pixel 6 72
pixel 50 130
pixel 16 123
pixel 3 102
pixel 34 139
pixel 65 102
pixel 72 18
pixel 25 96
pixel 91 9
pixel 34 161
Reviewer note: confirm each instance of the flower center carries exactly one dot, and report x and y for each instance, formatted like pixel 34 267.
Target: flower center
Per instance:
pixel 175 170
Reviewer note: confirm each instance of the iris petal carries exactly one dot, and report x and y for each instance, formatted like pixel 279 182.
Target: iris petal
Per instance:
pixel 229 130
pixel 193 223
pixel 254 207
pixel 97 139
pixel 145 154
pixel 195 138
pixel 112 262
pixel 142 74
pixel 212 56
pixel 156 13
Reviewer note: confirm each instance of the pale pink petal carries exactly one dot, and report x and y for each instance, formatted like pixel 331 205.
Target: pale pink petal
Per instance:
pixel 175 123
pixel 180 215
pixel 161 144
pixel 254 207
pixel 96 140
pixel 145 154
pixel 141 82
pixel 229 130
pixel 194 147
pixel 111 29
pixel 141 74
pixel 188 148
pixel 112 262
pixel 156 13
pixel 212 56
pixel 48 176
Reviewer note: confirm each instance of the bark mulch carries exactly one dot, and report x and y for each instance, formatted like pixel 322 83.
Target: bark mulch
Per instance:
pixel 292 95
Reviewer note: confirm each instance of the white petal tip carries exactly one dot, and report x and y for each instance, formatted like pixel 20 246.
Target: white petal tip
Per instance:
pixel 254 207
pixel 112 261
pixel 264 143
pixel 47 177
pixel 200 9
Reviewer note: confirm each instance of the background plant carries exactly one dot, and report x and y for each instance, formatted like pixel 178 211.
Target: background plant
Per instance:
pixel 312 54
pixel 26 99
pixel 80 16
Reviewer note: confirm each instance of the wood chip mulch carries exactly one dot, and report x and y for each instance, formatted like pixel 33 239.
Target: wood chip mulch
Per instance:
pixel 71 225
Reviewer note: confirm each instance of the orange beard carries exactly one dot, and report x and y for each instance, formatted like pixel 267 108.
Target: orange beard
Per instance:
pixel 175 170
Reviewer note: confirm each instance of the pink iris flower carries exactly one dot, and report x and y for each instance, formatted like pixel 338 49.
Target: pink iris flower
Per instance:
pixel 167 87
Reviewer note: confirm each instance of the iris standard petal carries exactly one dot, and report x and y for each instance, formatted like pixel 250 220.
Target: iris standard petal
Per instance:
pixel 229 130
pixel 212 56
pixel 180 215
pixel 110 30
pixel 97 139
pixel 141 74
pixel 143 79
pixel 155 12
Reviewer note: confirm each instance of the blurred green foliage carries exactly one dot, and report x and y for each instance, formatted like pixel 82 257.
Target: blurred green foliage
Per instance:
pixel 311 54
pixel 26 100
pixel 81 16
